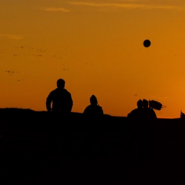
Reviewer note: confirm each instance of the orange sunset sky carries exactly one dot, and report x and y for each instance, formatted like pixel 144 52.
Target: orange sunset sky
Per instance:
pixel 97 47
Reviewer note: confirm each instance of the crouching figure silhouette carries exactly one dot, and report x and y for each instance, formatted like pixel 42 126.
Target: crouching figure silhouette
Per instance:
pixel 93 110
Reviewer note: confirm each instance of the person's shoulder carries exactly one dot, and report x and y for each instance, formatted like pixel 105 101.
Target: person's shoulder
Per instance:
pixel 87 108
pixel 99 108
pixel 66 91
pixel 53 91
pixel 132 112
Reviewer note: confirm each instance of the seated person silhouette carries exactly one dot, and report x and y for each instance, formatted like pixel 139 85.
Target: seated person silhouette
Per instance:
pixel 60 98
pixel 149 113
pixel 148 131
pixel 93 110
pixel 136 126
pixel 138 112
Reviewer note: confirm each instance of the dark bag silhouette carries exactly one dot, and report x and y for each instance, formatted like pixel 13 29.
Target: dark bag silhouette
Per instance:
pixel 155 105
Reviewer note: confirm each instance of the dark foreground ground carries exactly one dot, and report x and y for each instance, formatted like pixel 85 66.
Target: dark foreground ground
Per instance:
pixel 38 148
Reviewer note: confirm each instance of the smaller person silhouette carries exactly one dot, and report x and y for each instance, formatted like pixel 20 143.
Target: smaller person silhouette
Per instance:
pixel 93 110
pixel 138 112
pixel 135 118
pixel 93 113
pixel 149 113
pixel 149 129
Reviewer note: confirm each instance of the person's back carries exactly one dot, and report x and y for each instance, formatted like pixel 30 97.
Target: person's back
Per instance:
pixel 93 110
pixel 137 114
pixel 152 114
pixel 61 99
pixel 149 123
pixel 149 113
pixel 135 118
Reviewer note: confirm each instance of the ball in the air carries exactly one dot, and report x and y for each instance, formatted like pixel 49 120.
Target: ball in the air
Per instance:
pixel 146 43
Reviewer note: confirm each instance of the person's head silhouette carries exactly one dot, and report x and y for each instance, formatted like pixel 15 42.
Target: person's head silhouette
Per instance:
pixel 60 83
pixel 140 104
pixel 93 100
pixel 145 103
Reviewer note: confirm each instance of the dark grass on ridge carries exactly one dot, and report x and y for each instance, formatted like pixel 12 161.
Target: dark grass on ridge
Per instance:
pixel 39 148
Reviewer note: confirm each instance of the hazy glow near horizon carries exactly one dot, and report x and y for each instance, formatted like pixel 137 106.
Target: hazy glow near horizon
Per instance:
pixel 97 47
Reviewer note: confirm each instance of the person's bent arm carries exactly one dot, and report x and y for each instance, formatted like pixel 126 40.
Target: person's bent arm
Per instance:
pixel 101 111
pixel 48 102
pixel 154 114
pixel 70 103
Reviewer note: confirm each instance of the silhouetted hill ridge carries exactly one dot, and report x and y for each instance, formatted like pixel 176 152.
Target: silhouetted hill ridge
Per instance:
pixel 77 149
pixel 21 111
